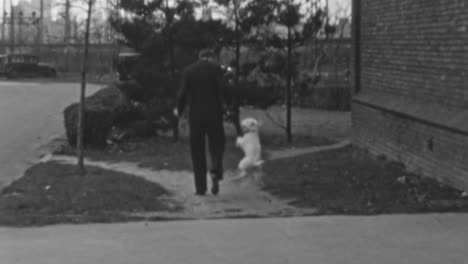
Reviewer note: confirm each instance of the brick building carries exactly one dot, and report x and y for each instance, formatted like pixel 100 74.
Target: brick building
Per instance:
pixel 411 84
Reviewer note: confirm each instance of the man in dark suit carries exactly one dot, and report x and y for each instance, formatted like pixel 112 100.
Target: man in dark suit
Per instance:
pixel 202 90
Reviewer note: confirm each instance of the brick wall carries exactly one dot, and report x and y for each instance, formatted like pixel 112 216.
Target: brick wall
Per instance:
pixel 413 101
pixel 424 149
pixel 416 48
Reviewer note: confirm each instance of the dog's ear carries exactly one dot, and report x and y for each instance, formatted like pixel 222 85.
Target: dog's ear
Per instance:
pixel 260 123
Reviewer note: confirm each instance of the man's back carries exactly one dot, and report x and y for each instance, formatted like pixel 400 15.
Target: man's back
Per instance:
pixel 202 90
pixel 203 85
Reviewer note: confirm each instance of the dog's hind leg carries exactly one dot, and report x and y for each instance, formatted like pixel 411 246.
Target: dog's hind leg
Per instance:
pixel 258 177
pixel 243 166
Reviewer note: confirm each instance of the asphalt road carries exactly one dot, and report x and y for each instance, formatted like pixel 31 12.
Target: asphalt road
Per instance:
pixel 30 117
pixel 384 239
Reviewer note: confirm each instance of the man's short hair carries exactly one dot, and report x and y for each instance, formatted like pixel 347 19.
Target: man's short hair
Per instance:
pixel 206 54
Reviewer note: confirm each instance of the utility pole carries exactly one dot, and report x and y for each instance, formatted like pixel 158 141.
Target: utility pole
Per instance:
pixel 20 28
pixel 40 30
pixel 67 33
pixel 12 25
pixel 67 21
pixel 4 21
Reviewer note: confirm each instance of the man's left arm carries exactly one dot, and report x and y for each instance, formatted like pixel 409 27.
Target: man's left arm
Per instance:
pixel 223 86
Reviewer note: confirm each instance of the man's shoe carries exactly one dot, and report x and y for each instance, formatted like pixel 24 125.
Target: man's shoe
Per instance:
pixel 214 184
pixel 200 193
pixel 215 187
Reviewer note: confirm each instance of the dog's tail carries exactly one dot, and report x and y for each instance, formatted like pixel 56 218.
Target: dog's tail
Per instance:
pixel 259 163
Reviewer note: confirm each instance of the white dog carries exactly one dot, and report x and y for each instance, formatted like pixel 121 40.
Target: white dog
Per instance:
pixel 250 144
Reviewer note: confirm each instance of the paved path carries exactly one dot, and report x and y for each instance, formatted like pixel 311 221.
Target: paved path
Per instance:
pixel 30 116
pixel 425 239
pixel 238 198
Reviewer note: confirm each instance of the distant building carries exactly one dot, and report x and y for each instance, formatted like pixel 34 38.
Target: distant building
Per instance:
pixel 26 27
pixel 410 81
pixel 28 7
pixel 100 31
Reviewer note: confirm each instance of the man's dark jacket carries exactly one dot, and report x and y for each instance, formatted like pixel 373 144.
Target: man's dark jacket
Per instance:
pixel 202 91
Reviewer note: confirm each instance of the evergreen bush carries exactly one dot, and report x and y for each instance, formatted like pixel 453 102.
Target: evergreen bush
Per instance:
pixel 102 111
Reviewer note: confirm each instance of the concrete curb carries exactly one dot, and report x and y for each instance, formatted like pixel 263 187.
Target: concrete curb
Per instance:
pixel 294 152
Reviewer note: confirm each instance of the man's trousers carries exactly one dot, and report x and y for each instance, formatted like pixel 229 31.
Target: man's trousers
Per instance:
pixel 200 131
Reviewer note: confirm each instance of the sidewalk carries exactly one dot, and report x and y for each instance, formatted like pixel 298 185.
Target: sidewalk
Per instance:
pixel 383 239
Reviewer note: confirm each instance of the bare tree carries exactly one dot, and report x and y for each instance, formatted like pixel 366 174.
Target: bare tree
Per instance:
pixel 80 147
pixel 66 7
pixel 67 18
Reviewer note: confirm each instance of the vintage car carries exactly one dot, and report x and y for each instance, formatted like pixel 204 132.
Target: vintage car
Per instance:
pixel 126 63
pixel 25 65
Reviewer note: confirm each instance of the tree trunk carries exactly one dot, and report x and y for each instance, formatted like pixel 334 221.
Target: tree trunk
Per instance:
pixel 337 49
pixel 12 28
pixel 288 89
pixel 80 147
pixel 236 106
pixel 4 24
pixel 169 18
pixel 327 21
pixel 40 26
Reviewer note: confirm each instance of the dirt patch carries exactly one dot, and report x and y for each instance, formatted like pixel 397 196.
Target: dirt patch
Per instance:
pixel 351 181
pixel 55 193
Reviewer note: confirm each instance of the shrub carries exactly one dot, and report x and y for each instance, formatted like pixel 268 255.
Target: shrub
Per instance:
pixel 252 94
pixel 132 90
pixel 150 110
pixel 340 96
pixel 259 89
pixel 102 110
pixel 331 96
